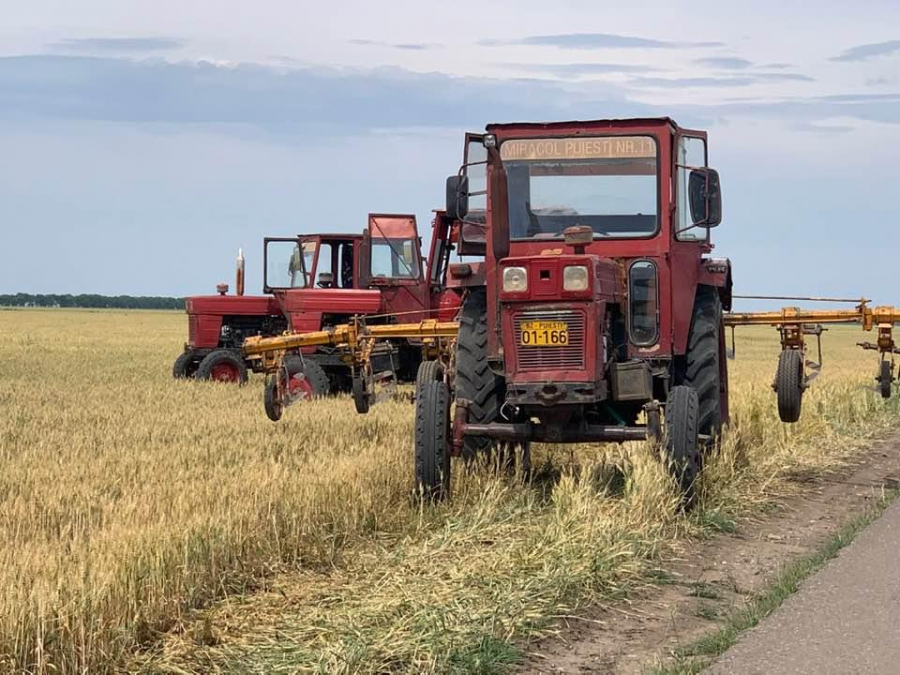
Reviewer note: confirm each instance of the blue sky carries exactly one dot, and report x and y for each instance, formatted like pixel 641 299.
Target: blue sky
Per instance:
pixel 143 143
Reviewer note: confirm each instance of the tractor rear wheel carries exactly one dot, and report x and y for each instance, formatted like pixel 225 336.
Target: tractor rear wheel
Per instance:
pixel 475 381
pixel 432 447
pixel 702 371
pixel 222 365
pixel 789 385
pixel 682 442
pixel 429 371
pixel 308 379
pixel 884 380
pixel 185 365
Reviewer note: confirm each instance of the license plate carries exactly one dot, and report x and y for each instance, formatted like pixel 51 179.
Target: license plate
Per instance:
pixel 544 334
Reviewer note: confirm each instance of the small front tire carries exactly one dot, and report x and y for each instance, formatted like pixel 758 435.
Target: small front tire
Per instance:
pixel 682 442
pixel 432 442
pixel 222 365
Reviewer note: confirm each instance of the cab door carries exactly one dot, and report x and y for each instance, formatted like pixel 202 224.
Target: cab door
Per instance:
pixel 395 266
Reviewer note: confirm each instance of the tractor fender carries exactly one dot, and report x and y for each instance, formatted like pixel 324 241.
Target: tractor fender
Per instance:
pixel 716 272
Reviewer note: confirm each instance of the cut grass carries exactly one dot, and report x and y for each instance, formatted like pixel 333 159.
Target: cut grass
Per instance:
pixel 700 654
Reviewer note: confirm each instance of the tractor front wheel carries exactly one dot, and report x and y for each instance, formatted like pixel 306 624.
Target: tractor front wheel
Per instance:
pixel 432 447
pixel 884 380
pixel 429 371
pixel 306 379
pixel 789 385
pixel 682 442
pixel 185 365
pixel 222 365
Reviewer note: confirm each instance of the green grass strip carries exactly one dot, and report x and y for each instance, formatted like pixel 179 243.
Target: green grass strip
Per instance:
pixel 697 656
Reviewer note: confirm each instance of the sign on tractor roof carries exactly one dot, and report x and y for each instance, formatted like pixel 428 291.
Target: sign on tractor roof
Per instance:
pixel 605 147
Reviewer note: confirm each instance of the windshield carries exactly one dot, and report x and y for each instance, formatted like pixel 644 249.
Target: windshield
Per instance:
pixel 607 183
pixel 288 263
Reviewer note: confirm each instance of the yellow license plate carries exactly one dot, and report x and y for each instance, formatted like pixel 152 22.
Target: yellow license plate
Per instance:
pixel 544 334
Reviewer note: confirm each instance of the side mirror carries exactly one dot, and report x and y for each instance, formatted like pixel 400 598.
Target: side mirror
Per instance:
pixel 705 196
pixel 457 206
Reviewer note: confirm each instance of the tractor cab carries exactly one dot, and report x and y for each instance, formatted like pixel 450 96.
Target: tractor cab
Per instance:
pixel 601 307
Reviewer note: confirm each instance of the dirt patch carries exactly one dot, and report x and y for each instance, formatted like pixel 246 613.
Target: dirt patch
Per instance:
pixel 693 593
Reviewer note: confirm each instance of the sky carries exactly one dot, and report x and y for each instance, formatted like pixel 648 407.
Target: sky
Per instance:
pixel 141 144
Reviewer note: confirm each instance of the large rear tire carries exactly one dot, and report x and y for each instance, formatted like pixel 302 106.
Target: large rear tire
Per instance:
pixel 789 385
pixel 475 381
pixel 702 371
pixel 682 444
pixel 432 445
pixel 223 365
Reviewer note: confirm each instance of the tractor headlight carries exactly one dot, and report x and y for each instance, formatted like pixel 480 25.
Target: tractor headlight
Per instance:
pixel 575 278
pixel 515 279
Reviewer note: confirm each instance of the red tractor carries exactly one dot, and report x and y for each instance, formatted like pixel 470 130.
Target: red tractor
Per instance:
pixel 601 315
pixel 321 280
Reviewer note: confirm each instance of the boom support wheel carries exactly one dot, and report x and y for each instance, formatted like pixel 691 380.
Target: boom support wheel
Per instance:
pixel 885 378
pixel 789 385
pixel 682 442
pixel 432 445
pixel 271 400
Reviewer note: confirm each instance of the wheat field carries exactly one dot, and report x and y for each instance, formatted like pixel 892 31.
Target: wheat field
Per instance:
pixel 168 526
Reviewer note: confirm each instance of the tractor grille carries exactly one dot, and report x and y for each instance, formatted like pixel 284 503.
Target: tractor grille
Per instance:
pixel 570 357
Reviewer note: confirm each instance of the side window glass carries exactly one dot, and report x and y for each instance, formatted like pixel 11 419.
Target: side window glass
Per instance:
pixel 644 303
pixel 691 153
pixel 476 170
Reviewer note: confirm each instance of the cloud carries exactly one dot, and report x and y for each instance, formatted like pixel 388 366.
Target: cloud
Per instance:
pixel 596 41
pixel 578 69
pixel 311 103
pixel 723 81
pixel 868 51
pixel 124 45
pixel 409 46
pixel 824 129
pixel 293 101
pixel 729 63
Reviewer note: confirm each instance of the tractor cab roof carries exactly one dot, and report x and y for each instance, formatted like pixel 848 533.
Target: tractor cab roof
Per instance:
pixel 333 235
pixel 623 122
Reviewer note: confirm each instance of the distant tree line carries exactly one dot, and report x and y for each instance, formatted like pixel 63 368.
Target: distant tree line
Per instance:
pixel 91 300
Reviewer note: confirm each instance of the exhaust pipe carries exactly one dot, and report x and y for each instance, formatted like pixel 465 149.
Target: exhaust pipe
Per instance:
pixel 240 272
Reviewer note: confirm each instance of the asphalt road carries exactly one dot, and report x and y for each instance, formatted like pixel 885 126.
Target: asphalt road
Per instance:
pixel 844 620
